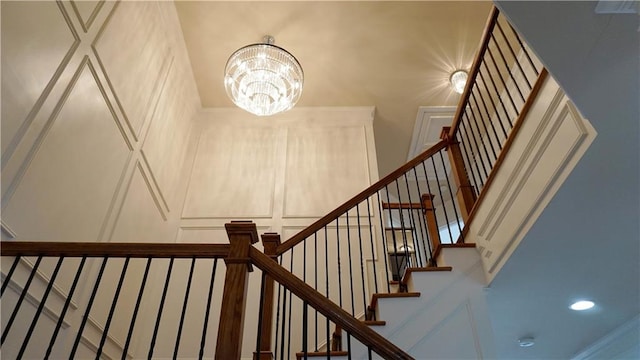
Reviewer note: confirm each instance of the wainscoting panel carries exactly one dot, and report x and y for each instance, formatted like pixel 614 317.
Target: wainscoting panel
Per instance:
pixel 325 167
pixel 140 218
pixel 233 173
pixel 166 140
pixel 57 198
pixel 553 137
pixel 26 79
pixel 148 53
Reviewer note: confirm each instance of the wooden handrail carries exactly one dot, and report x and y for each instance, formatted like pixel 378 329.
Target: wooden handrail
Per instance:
pixel 333 312
pixel 303 234
pixel 132 250
pixel 475 68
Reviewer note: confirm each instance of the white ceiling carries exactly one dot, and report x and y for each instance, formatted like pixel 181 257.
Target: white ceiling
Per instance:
pixel 394 55
pixel 397 56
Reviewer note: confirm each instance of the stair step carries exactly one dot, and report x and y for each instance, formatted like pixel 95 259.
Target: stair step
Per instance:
pixel 451 246
pixel 375 297
pixel 375 322
pixel 300 355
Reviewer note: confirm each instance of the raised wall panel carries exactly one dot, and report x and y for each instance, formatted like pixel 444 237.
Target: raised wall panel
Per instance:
pixel 67 190
pixel 325 167
pixel 233 173
pixel 25 78
pixel 552 139
pixel 86 11
pixel 146 53
pixel 165 143
pixel 140 218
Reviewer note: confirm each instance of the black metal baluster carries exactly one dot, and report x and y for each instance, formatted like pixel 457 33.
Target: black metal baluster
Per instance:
pixel 515 57
pixel 506 65
pixel 477 156
pixel 65 307
pixel 114 302
pixel 435 213
pixel 422 222
pixel 7 278
pixel 136 309
pixel 444 208
pixel 208 309
pixel 315 283
pixel 278 334
pixel 484 123
pixel 160 308
pixel 453 199
pixel 36 317
pixel 85 317
pixel 384 242
pixel 184 308
pixel 412 220
pixel 479 132
pixel 290 306
pixel 284 317
pixel 25 289
pixel 364 294
pixel 375 273
pixel 353 305
pixel 495 111
pixel 404 235
pixel 393 235
pixel 339 265
pixel 504 83
pixel 260 313
pixel 524 48
pixel 304 330
pixel 468 165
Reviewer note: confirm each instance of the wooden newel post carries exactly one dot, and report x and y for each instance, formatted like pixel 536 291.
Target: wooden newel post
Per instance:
pixel 432 225
pixel 270 242
pixel 242 234
pixel 465 194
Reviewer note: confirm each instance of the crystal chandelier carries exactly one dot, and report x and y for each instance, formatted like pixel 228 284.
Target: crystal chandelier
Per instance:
pixel 263 79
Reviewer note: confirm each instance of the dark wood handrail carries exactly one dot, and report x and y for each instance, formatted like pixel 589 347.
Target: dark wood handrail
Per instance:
pixel 132 250
pixel 475 68
pixel 327 219
pixel 333 312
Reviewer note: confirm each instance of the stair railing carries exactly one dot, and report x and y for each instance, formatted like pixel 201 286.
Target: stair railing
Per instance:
pixel 502 84
pixel 104 291
pixel 365 245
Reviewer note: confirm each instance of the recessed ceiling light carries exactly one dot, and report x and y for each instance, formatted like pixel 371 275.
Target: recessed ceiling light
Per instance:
pixel 526 342
pixel 582 305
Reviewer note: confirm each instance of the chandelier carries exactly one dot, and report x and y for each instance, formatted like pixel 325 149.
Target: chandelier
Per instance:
pixel 263 79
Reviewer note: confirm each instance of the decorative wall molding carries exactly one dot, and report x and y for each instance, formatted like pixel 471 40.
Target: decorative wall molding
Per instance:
pixel 46 310
pixel 45 281
pixel 7 230
pixel 27 123
pixel 621 343
pixel 86 23
pixel 553 138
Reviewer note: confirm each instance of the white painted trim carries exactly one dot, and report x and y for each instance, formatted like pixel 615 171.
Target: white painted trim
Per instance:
pixel 594 351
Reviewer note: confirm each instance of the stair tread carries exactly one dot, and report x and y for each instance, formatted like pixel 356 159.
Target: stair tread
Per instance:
pixel 375 322
pixel 300 355
pixel 377 296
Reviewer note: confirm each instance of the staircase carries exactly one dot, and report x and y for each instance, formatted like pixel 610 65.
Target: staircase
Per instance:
pixel 373 278
pixel 436 298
